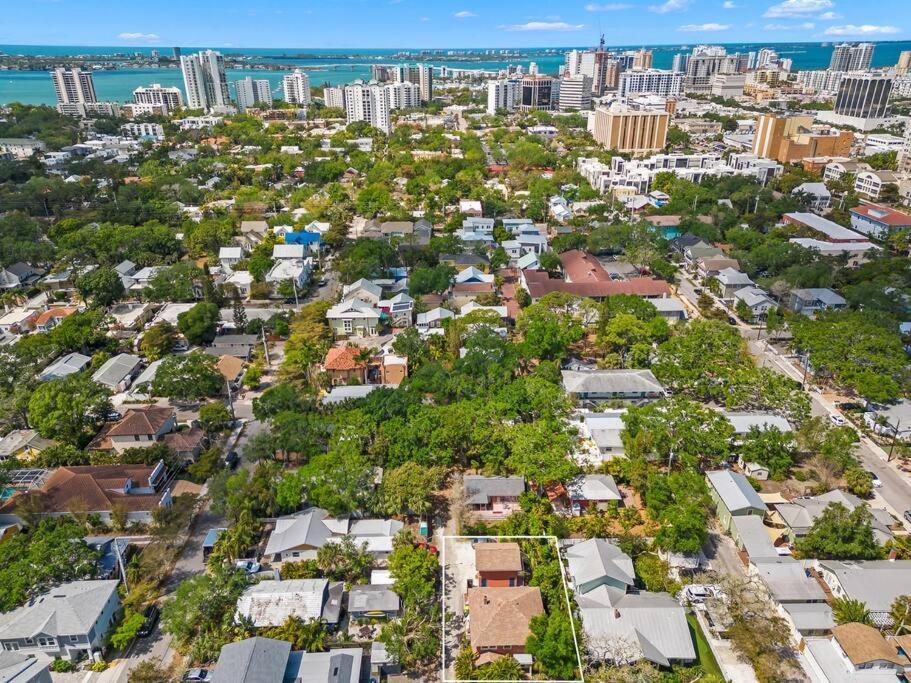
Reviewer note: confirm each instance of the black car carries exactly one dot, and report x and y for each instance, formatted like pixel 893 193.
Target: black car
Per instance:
pixel 908 515
pixel 732 320
pixel 232 460
pixel 151 618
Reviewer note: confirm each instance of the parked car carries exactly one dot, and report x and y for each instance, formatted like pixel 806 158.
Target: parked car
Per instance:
pixel 732 320
pixel 323 282
pixel 249 566
pixel 198 675
pixel 151 618
pixel 837 420
pixel 907 515
pixel 232 460
pixel 876 481
pixel 698 592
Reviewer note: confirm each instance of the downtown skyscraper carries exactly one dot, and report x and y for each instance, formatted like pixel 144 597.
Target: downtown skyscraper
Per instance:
pixel 205 81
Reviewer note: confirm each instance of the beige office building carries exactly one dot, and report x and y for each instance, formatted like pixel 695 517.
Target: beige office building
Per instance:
pixel 629 130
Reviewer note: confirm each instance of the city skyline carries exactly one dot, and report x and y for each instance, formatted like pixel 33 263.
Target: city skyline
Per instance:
pixel 451 24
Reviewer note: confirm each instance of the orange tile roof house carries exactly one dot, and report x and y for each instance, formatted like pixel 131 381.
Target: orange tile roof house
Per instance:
pixel 100 489
pixel 52 317
pixel 499 618
pixel 343 366
pixel 498 565
pixel 538 283
pixel 138 428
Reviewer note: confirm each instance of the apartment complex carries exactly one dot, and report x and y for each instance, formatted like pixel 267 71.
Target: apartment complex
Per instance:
pixel 334 97
pixel 169 99
pixel 205 81
pixel 628 130
pixel 792 138
pixel 73 86
pixel 420 75
pixel 537 93
pixel 851 57
pixel 368 102
pixel 296 86
pixel 575 93
pixel 653 81
pixel 503 94
pixel 251 92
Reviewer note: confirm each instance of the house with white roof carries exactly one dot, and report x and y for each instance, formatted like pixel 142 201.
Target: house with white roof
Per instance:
pixel 432 319
pixel 732 280
pixel 229 256
pixel 472 274
pixel 876 583
pixel 118 372
pixel 756 300
pixel 817 195
pixel 604 385
pixel 365 290
pixel 242 281
pixel 602 432
pixel 856 653
pixel 271 603
pixel 288 251
pixel 69 621
pixel 65 365
pixel 733 496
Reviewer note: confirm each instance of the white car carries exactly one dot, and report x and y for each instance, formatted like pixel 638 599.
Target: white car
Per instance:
pixel 837 420
pixel 874 480
pixel 249 566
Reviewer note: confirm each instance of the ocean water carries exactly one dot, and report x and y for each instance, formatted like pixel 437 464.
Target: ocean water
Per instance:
pixel 334 66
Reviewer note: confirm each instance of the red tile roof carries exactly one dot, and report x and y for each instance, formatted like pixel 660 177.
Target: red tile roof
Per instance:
pixel 882 214
pixel 342 358
pixel 472 288
pixel 580 266
pixel 54 313
pixel 540 283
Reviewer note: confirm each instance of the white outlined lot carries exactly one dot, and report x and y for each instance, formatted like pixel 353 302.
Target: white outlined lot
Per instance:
pixel 455 545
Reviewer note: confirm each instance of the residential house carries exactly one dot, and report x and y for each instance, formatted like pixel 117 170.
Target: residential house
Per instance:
pixel 48 320
pixel 810 301
pixel 339 394
pixel 851 254
pixel 878 221
pixel 756 300
pixel 23 444
pixel 252 233
pixel 393 369
pixel 138 428
pixel 682 242
pixel 131 315
pixel 498 565
pixel 295 271
pixel 871 183
pixel 373 602
pixel 753 537
pixel 229 257
pixel 500 618
pixel 821 227
pixel 598 491
pixel 786 579
pixel 464 260
pixel 125 270
pixel 396 229
pixel 242 281
pixel 432 319
pixel 799 514
pixel 694 253
pixel 137 490
pixel 232 369
pixel 19 668
pixel 837 169
pixel 471 207
pixel 311 240
pixel 733 496
pixel 117 372
pixel 855 652
pixel 353 317
pixel 492 497
pixel 70 621
pixel 743 422
pixel 8 280
pixel 622 624
pixel 143 277
pixel 876 583
pixel 343 365
pixel 602 431
pixel 670 308
pixel 528 261
pixel 264 660
pixel 890 420
pixel 300 535
pixel 293 252
pixel 271 603
pixel 712 266
pixel 732 280
pixel 64 366
pixel 399 310
pixel 18 320
pixel 239 345
pixel 186 444
pixel 817 196
pixel 604 385
pixel 365 290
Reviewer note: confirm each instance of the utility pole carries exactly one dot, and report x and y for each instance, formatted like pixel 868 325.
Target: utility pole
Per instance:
pixel 230 399
pixel 894 439
pixel 123 569
pixel 265 346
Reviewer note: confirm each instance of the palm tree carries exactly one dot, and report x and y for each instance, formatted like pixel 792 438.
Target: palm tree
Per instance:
pixel 848 611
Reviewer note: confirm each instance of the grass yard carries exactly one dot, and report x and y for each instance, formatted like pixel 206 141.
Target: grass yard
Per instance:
pixel 703 651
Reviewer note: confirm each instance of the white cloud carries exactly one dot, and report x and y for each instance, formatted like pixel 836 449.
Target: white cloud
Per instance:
pixel 544 26
pixel 606 7
pixel 861 30
pixel 669 6
pixel 710 26
pixel 797 8
pixel 807 25
pixel 828 16
pixel 148 37
pixel 728 4
pixel 464 14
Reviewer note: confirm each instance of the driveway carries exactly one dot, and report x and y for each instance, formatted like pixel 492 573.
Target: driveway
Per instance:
pixel 458 568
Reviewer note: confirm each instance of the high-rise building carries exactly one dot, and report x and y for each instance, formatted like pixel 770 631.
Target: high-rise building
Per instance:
pixel 594 64
pixel 851 57
pixel 904 62
pixel 537 93
pixel 252 92
pixel 862 101
pixel 334 97
pixel 381 73
pixel 679 64
pixel 575 93
pixel 419 74
pixel 789 139
pixel 73 86
pixel 176 52
pixel 503 93
pixel 156 94
pixel 766 57
pixel 705 62
pixel 403 95
pixel 297 87
pixel 638 132
pixel 823 81
pixel 642 59
pixel 655 81
pixel 368 102
pixel 205 81
pixel 572 62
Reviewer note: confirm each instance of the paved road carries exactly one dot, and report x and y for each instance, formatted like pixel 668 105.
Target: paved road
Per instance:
pixel 895 493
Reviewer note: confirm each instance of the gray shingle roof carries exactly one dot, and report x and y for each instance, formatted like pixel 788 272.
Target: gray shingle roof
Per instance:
pixel 787 581
pixel 339 665
pixel 115 369
pixel 254 660
pixel 596 558
pixel 372 599
pixel 478 489
pixel 611 381
pixel 875 582
pixel 69 609
pixel 300 529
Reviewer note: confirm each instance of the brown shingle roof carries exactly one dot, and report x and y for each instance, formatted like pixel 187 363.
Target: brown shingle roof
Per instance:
pixel 185 441
pixel 580 266
pixel 499 617
pixel 864 644
pixel 342 358
pixel 472 288
pixel 497 557
pixel 540 283
pixel 230 367
pixel 141 422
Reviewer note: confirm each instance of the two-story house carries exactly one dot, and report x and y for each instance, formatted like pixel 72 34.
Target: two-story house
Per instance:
pixel 498 565
pixel 493 497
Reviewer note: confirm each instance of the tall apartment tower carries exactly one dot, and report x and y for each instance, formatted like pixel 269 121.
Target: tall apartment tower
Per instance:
pixel 156 94
pixel 658 82
pixel 595 65
pixel 904 62
pixel 504 93
pixel 572 62
pixel 334 97
pixel 73 86
pixel 419 74
pixel 403 95
pixel 537 93
pixel 575 93
pixel 628 130
pixel 642 59
pixel 368 102
pixel 679 64
pixel 250 93
pixel 851 57
pixel 297 87
pixel 204 80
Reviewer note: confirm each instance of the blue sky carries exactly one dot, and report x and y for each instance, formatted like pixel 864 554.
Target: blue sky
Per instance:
pixel 445 23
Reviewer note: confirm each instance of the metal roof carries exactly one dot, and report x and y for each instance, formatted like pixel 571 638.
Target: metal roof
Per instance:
pixel 596 558
pixel 735 491
pixel 787 580
pixel 611 381
pixel 270 603
pixel 116 369
pixel 874 582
